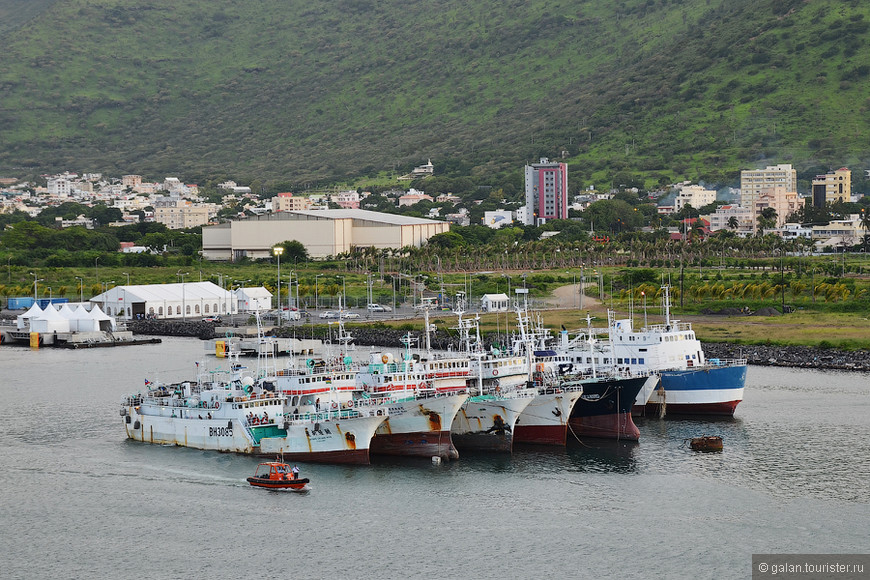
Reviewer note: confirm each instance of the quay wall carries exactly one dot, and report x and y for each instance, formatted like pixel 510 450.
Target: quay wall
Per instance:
pixel 391 338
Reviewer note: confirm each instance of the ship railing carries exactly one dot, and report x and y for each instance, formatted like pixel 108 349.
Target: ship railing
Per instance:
pixel 726 362
pixel 672 327
pixel 132 401
pixel 330 416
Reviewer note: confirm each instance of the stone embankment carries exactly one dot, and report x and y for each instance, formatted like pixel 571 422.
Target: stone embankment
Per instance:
pixel 766 355
pixel 809 357
pixel 203 330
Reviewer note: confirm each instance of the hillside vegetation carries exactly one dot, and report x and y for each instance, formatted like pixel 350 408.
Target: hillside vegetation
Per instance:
pixel 308 91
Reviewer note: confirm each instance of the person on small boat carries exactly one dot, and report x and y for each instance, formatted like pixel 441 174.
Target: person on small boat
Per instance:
pixel 295 471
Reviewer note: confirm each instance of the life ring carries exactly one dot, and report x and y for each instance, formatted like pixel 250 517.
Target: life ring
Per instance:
pixel 385 359
pixel 217 404
pixel 334 405
pixel 309 363
pixel 495 372
pixel 249 389
pixel 350 404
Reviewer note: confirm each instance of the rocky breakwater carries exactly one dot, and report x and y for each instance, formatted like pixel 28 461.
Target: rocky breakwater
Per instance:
pixel 811 357
pixel 199 329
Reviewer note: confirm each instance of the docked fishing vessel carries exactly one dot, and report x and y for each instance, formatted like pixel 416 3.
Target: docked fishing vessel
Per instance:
pixel 486 421
pixel 234 410
pixel 499 392
pixel 604 408
pixel 423 393
pixel 689 383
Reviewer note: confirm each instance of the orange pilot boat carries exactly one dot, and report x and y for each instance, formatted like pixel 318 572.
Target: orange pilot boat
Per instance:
pixel 277 475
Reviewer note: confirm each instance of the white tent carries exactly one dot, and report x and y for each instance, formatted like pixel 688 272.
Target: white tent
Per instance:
pixel 66 311
pixel 49 321
pixel 24 319
pixel 81 321
pixel 105 323
pixel 190 300
pixel 253 299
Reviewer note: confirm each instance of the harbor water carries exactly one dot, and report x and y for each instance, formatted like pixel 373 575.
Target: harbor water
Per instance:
pixel 80 501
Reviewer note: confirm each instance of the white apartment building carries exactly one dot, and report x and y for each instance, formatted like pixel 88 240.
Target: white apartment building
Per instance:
pixel 756 182
pixel 694 195
pixel 722 216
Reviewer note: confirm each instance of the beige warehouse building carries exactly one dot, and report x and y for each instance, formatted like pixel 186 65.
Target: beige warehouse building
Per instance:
pixel 322 232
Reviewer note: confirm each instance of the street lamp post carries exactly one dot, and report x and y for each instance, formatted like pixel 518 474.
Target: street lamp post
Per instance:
pixel 316 307
pixel 128 277
pixel 183 303
pixel 35 285
pixel 96 269
pixel 81 289
pixel 106 291
pixel 344 289
pixel 277 251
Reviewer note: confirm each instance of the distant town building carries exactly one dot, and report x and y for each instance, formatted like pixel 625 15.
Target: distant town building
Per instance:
pixel 721 219
pixel 756 182
pixel 831 187
pixel 289 202
pixel 783 202
pixel 420 171
pixel 346 199
pixel 546 187
pixel 131 181
pixel 413 196
pixel 178 214
pixel 79 221
pixel 694 195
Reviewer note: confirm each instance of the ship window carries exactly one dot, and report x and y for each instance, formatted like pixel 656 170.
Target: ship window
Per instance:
pixel 640 361
pixel 634 361
pixel 619 361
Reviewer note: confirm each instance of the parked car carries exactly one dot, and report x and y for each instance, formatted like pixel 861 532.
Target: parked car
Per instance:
pixel 328 314
pixel 379 308
pixel 215 319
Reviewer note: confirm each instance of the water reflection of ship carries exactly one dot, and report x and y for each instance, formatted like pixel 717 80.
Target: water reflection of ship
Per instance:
pixel 602 455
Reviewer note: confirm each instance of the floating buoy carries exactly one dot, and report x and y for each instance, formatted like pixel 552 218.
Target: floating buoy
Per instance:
pixel 706 443
pixel 436 460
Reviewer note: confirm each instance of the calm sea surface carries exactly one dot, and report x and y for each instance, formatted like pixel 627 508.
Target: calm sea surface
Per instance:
pixel 80 501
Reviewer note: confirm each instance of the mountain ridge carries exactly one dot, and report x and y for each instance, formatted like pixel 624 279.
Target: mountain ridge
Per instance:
pixel 310 92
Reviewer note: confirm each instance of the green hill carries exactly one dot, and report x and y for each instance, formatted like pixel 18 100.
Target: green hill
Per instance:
pixel 307 91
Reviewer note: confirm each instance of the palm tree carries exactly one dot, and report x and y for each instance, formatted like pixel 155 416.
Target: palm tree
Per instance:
pixel 733 223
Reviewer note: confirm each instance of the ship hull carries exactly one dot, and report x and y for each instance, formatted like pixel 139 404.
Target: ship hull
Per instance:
pixel 604 409
pixel 487 423
pixel 545 420
pixel 419 428
pixel 340 441
pixel 706 391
